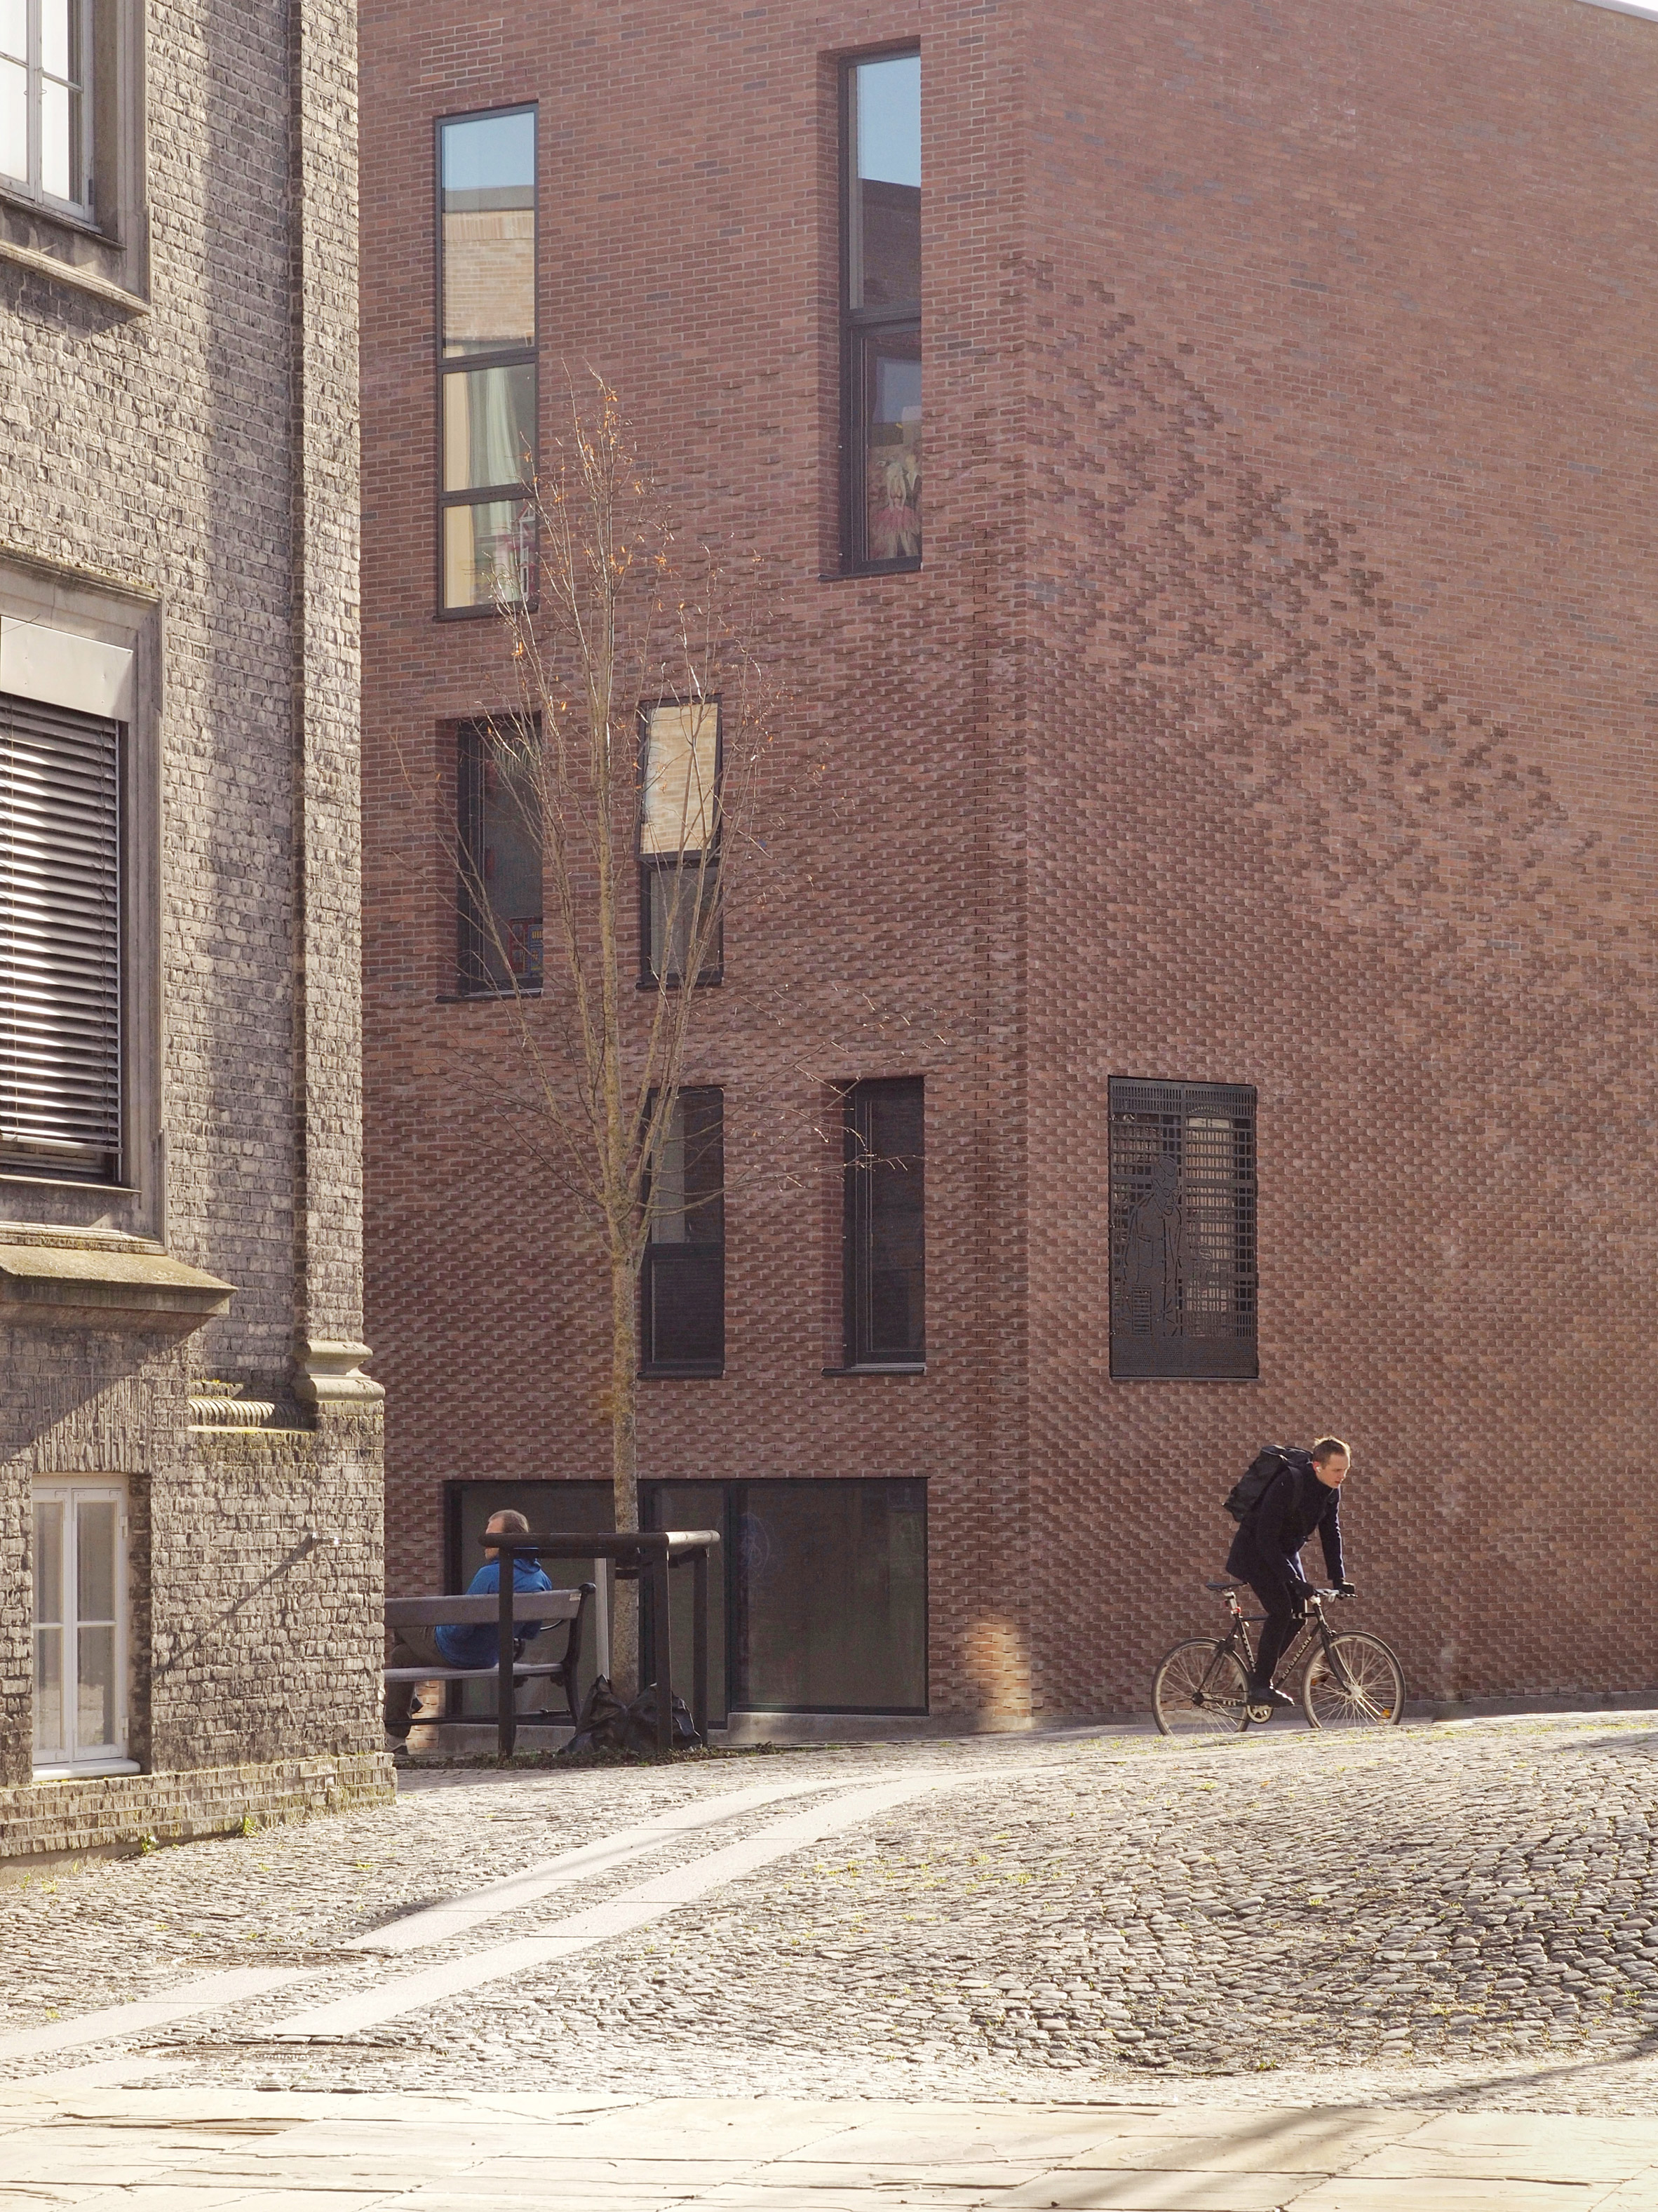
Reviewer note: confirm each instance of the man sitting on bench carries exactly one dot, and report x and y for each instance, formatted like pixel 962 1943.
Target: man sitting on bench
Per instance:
pixel 474 1645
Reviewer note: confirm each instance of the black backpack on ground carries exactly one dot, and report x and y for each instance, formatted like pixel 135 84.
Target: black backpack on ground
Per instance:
pixel 1268 1464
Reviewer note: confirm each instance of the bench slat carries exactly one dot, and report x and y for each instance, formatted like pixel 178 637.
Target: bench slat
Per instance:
pixel 463 1612
pixel 466 1673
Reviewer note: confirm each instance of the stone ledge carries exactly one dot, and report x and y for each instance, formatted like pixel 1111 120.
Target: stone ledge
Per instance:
pixel 59 1283
pixel 43 1821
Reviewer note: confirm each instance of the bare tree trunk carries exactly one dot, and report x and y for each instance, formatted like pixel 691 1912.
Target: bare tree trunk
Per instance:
pixel 624 1467
pixel 618 630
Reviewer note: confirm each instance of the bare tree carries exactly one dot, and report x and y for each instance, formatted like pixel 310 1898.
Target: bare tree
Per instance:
pixel 643 729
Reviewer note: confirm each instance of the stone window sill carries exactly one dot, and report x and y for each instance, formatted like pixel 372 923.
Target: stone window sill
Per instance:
pixel 53 1282
pixel 91 1770
pixel 87 262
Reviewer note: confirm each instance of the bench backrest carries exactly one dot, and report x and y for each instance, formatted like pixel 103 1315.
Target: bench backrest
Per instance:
pixel 462 1611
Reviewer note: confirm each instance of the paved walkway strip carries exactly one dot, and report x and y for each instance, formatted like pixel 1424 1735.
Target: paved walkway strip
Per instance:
pixel 436 1924
pixel 634 1909
pixel 129 2020
pixel 114 2151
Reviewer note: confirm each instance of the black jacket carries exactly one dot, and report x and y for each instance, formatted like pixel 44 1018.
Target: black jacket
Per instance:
pixel 1267 1549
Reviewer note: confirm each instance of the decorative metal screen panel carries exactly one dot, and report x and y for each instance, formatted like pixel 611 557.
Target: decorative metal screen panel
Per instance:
pixel 60 941
pixel 1182 1229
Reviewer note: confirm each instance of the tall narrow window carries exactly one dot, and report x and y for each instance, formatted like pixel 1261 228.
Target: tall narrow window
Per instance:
pixel 683 1281
pixel 60 942
pixel 486 366
pixel 885 1248
pixel 1182 1229
pixel 499 903
pixel 45 106
pixel 881 315
pixel 681 933
pixel 80 1627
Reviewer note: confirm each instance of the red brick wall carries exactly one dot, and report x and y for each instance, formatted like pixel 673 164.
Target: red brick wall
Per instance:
pixel 689 248
pixel 1341 331
pixel 1269 709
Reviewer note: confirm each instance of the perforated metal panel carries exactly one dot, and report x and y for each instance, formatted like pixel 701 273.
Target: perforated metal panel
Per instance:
pixel 1182 1229
pixel 60 941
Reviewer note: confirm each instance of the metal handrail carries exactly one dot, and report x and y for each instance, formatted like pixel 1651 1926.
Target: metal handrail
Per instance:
pixel 649 1554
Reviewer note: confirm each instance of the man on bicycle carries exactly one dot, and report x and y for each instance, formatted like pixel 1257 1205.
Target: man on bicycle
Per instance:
pixel 1305 1494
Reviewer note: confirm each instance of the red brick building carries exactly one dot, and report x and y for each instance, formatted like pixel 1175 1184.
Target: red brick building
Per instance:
pixel 1256 706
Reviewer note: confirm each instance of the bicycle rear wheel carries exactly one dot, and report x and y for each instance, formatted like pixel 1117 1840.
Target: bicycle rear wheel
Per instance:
pixel 1360 1684
pixel 1199 1689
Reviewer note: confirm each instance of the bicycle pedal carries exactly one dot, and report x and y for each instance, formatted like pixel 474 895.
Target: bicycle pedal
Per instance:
pixel 1262 1712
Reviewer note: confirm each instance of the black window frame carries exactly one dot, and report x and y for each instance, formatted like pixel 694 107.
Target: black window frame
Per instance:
pixel 653 865
pixel 660 1257
pixel 1171 1319
pixel 102 1167
pixel 860 1353
pixel 858 326
pixel 474 936
pixel 506 357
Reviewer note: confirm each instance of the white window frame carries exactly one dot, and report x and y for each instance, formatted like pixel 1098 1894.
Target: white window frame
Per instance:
pixel 66 1761
pixel 81 204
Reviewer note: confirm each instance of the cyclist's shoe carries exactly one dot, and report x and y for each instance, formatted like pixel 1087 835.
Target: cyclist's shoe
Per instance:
pixel 1265 1701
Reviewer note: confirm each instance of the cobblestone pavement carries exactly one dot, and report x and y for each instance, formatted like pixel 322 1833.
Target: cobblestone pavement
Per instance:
pixel 1464 1915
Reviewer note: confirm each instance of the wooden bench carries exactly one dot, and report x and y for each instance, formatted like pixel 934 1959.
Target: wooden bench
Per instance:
pixel 544 1608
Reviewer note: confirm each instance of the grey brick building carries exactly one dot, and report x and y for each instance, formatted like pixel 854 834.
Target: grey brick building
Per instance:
pixel 190 1451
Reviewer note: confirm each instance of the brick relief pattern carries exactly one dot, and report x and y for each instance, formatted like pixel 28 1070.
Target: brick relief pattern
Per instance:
pixel 1271 708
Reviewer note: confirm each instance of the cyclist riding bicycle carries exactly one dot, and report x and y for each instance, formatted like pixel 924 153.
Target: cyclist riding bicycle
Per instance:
pixel 1303 1496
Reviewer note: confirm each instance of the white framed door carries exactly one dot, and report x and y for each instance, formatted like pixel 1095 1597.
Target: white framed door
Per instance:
pixel 80 1627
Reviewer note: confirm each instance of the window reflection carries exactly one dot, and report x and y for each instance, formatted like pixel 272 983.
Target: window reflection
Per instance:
pixel 893 445
pixel 45 143
pixel 884 312
pixel 487 348
pixel 886 243
pixel 489 233
pixel 488 553
pixel 489 427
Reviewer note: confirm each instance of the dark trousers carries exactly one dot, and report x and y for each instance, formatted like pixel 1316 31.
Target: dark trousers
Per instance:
pixel 1284 1616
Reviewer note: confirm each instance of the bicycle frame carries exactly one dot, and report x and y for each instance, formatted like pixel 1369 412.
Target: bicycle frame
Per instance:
pixel 1313 1627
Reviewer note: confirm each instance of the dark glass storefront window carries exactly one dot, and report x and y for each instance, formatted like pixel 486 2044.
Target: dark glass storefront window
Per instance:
pixel 1182 1229
pixel 881 316
pixel 830 1596
pixel 500 891
pixel 818 1599
pixel 683 1276
pixel 821 1603
pixel 885 1219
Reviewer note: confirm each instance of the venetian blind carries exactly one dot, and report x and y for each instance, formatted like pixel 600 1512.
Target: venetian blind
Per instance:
pixel 60 940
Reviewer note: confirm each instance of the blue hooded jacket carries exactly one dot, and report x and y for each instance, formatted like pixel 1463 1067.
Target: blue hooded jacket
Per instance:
pixel 475 1644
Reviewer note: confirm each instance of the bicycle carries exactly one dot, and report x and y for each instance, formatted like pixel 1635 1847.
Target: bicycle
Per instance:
pixel 1351 1679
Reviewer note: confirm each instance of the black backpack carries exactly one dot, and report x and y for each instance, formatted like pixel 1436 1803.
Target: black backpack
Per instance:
pixel 1268 1464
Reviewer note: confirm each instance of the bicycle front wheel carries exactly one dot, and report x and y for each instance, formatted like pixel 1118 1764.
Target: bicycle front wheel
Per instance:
pixel 1357 1683
pixel 1199 1689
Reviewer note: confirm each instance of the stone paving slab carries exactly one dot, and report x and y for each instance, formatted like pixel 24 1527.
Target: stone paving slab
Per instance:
pixel 171 2151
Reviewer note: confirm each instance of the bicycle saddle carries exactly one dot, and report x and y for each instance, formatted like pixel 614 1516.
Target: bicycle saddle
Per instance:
pixel 1221 1586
